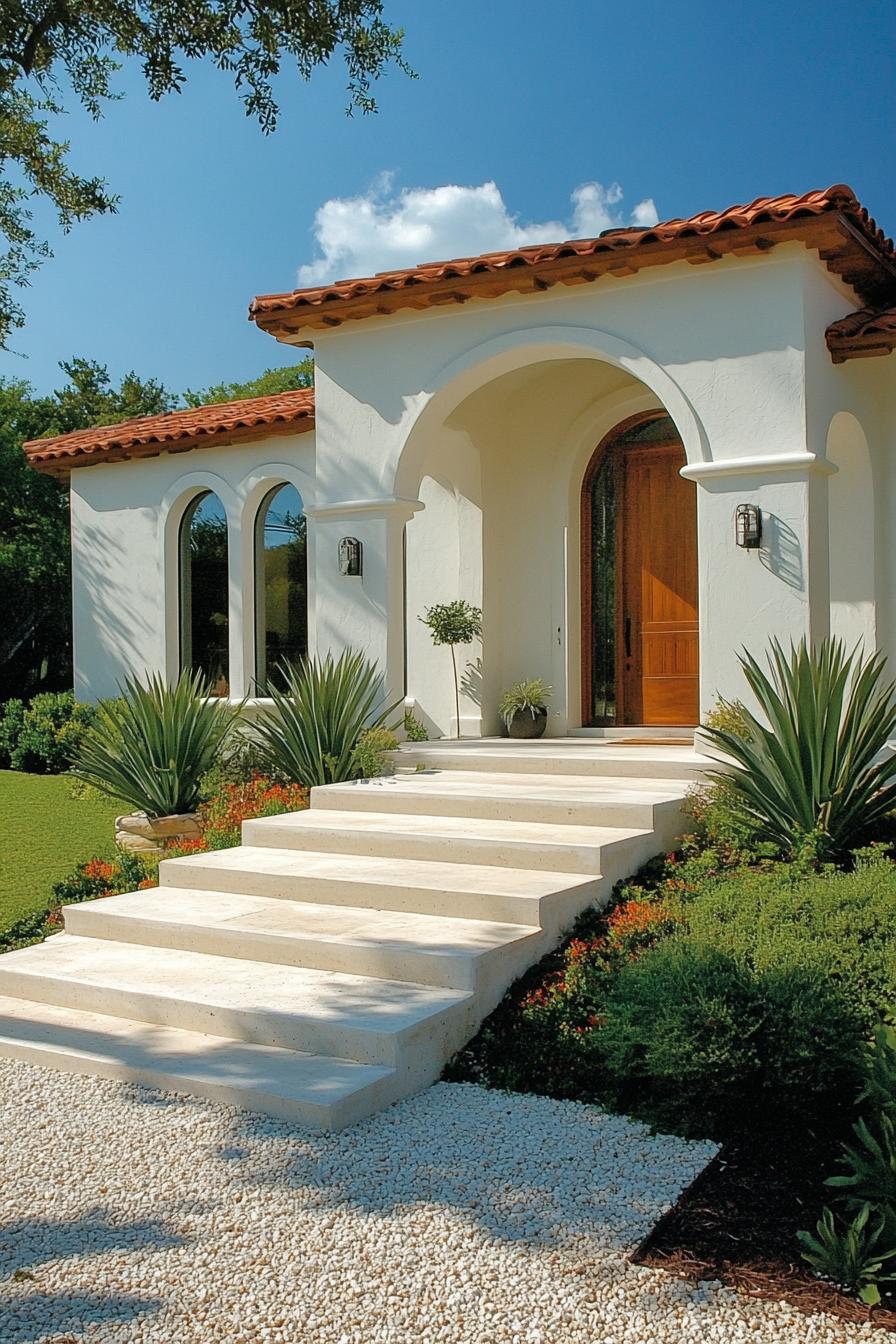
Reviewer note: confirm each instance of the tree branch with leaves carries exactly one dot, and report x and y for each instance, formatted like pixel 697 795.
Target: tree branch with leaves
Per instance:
pixel 80 44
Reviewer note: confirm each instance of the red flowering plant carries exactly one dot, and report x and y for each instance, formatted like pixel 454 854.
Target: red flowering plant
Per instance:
pixel 104 877
pixel 221 817
pixel 638 924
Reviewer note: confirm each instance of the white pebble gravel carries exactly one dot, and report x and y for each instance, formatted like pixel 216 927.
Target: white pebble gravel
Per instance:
pixel 462 1216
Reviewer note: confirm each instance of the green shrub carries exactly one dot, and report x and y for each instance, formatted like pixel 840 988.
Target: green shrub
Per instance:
pixel 815 777
pixel 153 746
pixel 414 729
pixel 310 734
pixel 841 926
pixel 242 759
pixel 12 716
pixel 721 824
pixel 729 716
pixel 693 1040
pixel 370 757
pixel 44 737
pixel 105 877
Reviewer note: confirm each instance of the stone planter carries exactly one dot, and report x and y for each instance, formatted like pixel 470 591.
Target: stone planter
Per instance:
pixel 526 724
pixel 148 835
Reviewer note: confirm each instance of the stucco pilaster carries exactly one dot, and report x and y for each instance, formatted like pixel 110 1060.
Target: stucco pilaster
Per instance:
pixel 364 612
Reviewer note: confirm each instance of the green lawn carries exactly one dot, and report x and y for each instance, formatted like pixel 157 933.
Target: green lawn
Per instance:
pixel 44 832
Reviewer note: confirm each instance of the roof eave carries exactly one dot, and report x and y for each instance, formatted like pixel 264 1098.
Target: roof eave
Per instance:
pixel 52 458
pixel 840 239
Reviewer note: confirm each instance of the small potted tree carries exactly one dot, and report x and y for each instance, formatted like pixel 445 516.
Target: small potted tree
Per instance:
pixel 454 623
pixel 524 709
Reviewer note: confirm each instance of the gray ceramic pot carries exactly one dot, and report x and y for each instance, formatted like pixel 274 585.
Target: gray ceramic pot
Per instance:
pixel 525 724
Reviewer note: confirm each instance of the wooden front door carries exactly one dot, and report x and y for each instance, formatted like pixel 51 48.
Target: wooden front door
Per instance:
pixel 640 627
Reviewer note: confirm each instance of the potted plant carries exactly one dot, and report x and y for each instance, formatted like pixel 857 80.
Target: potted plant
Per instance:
pixel 523 708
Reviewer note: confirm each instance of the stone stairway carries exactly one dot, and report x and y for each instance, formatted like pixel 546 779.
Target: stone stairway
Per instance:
pixel 338 958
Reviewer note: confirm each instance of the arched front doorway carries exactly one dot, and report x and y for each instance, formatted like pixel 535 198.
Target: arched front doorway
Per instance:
pixel 640 654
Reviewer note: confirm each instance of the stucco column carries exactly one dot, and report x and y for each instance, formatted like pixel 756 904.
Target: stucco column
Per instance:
pixel 366 612
pixel 781 589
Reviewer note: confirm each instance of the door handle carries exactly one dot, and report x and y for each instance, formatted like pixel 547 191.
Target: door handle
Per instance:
pixel 628 636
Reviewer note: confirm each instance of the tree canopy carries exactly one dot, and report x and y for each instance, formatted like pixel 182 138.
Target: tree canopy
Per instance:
pixel 266 384
pixel 47 46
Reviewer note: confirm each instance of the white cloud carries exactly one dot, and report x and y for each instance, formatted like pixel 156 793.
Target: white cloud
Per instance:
pixel 386 229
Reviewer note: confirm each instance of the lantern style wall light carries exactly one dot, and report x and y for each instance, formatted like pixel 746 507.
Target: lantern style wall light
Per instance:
pixel 748 526
pixel 350 553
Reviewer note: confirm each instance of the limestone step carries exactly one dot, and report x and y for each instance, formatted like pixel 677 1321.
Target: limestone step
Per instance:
pixel 425 949
pixel 556 756
pixel 341 878
pixel 311 1090
pixel 462 840
pixel 570 800
pixel 319 1012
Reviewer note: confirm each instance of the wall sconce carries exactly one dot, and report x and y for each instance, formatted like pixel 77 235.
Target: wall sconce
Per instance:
pixel 350 551
pixel 748 526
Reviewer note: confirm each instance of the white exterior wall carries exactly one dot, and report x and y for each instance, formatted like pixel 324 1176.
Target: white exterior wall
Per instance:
pixel 125 524
pixel 721 347
pixel 453 442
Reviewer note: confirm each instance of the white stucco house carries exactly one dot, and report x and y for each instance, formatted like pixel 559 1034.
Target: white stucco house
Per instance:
pixel 562 435
pixel 636 453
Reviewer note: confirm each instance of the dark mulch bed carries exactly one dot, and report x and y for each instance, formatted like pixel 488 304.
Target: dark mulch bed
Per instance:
pixel 737 1223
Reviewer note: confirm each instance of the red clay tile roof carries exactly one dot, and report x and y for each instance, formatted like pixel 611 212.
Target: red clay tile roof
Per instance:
pixel 176 432
pixel 863 333
pixel 833 221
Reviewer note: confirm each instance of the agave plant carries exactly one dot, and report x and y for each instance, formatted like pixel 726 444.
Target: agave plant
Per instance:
pixel 850 1256
pixel 816 773
pixel 310 733
pixel 152 746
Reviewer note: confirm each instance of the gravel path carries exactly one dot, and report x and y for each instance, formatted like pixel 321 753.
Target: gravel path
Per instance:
pixel 461 1216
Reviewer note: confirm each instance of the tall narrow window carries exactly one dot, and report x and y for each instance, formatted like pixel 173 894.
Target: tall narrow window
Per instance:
pixel 281 594
pixel 603 592
pixel 204 591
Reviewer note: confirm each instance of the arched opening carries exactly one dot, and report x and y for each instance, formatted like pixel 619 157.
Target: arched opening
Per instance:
pixel 281 584
pixel 204 591
pixel 640 633
pixel 497 458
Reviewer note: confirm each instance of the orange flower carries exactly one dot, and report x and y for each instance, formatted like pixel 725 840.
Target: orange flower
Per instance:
pixel 99 869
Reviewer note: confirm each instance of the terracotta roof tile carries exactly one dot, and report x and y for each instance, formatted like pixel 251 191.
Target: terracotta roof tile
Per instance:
pixel 175 432
pixel 850 243
pixel 866 332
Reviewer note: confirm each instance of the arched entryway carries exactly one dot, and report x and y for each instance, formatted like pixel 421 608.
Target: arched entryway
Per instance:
pixel 640 650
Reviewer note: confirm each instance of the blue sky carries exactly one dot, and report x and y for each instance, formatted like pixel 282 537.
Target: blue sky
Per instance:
pixel 687 106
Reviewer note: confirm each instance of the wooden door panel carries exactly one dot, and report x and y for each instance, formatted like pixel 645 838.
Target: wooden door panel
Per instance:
pixel 659 586
pixel 640 632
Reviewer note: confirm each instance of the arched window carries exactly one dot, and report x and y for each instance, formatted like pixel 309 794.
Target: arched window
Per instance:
pixel 204 599
pixel 281 579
